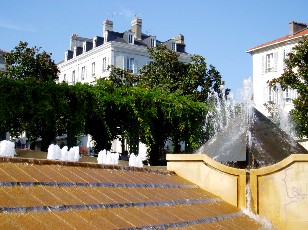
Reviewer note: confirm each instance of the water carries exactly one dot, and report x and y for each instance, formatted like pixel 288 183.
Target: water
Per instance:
pixel 229 123
pixel 266 224
pixel 244 137
pixel 135 161
pixel 107 157
pixel 55 153
pixel 7 148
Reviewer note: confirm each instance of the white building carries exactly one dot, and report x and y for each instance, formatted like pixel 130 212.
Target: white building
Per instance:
pixel 88 58
pixel 268 63
pixel 2 62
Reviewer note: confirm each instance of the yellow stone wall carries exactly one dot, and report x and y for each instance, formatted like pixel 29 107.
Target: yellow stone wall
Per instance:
pixel 226 182
pixel 280 192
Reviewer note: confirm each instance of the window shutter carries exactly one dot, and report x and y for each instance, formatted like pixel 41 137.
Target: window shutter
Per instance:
pixel 263 64
pixel 275 61
pixel 287 50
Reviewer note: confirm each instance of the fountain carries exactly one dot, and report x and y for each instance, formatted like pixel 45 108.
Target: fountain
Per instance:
pixel 55 153
pixel 249 139
pixel 7 148
pixel 248 142
pixel 107 157
pixel 135 161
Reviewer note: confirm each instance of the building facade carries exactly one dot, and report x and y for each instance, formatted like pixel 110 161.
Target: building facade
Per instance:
pixel 268 63
pixel 2 61
pixel 88 58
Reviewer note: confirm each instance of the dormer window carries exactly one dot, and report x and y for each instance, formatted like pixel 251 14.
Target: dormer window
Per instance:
pixel 94 42
pixel 75 51
pixel 173 46
pixel 130 39
pixel 152 42
pixel 106 36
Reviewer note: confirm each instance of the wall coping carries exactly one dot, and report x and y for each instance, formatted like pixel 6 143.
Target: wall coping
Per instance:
pixel 279 165
pixel 207 160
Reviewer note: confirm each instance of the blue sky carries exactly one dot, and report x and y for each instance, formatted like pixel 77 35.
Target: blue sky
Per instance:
pixel 221 30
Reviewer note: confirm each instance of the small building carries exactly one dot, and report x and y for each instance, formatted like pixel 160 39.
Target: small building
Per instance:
pixel 268 63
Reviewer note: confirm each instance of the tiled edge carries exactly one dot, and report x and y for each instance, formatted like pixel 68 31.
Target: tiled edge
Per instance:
pixel 82 164
pixel 92 184
pixel 188 223
pixel 53 208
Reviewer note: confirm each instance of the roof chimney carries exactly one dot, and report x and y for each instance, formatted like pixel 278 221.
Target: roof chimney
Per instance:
pixel 136 27
pixel 296 27
pixel 107 25
pixel 179 38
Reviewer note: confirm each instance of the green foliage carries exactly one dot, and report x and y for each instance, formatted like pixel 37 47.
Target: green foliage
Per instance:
pixel 24 62
pixel 34 106
pixel 295 76
pixel 168 73
pixel 166 100
pixel 77 100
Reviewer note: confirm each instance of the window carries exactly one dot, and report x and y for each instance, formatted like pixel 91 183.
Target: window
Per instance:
pixel 152 42
pixel 94 42
pixel 64 77
pixel 105 36
pixel 272 95
pixel 73 77
pixel 172 46
pixel 130 38
pixel 290 94
pixel 130 64
pixel 93 68
pixel 75 51
pixel 270 62
pixel 83 72
pixel 104 64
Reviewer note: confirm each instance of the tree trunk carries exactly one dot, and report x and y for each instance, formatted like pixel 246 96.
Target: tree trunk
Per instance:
pixel 47 139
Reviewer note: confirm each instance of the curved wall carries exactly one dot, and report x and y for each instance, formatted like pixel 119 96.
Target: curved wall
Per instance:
pixel 280 192
pixel 223 181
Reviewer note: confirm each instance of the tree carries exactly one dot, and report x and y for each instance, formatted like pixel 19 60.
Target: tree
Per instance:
pixel 32 106
pixel 167 72
pixel 34 98
pixel 194 80
pixel 24 62
pixel 295 76
pixel 78 99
